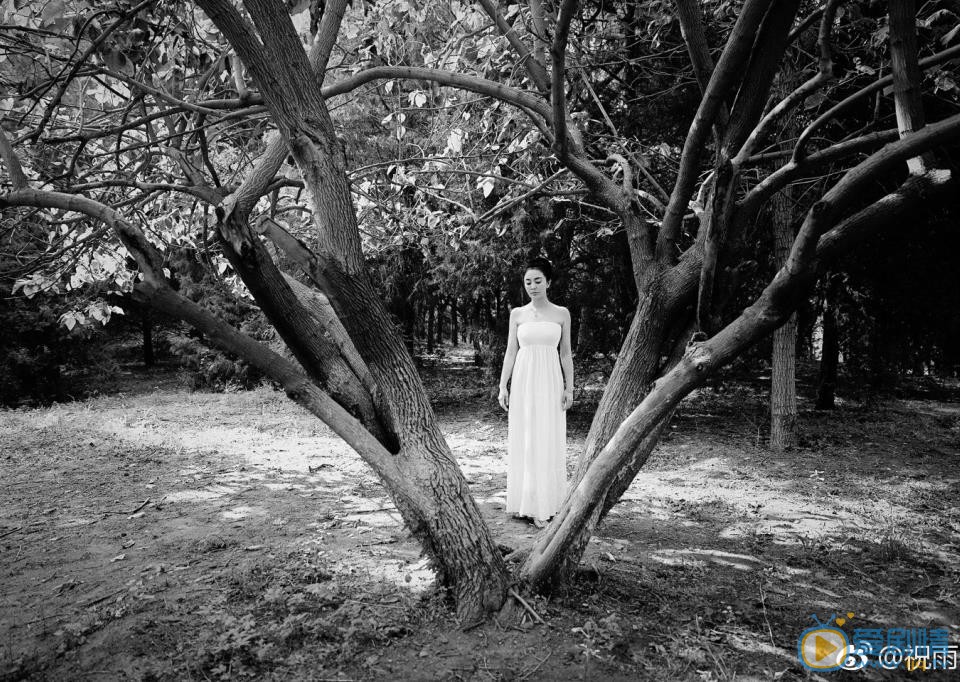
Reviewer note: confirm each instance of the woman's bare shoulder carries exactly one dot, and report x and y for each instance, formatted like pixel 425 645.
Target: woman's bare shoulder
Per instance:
pixel 517 312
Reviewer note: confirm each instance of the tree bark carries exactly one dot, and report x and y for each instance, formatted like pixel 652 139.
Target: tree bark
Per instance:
pixel 691 27
pixel 906 76
pixel 783 388
pixel 443 515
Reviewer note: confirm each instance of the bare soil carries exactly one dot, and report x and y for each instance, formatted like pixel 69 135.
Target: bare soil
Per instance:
pixel 162 534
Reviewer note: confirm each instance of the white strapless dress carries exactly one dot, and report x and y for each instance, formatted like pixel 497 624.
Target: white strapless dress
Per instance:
pixel 537 434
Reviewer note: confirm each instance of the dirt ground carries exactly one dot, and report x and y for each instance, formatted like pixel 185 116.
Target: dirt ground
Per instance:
pixel 161 534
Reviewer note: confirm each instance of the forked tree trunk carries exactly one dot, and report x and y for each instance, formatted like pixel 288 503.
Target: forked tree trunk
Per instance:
pixel 428 487
pixel 783 385
pixel 639 362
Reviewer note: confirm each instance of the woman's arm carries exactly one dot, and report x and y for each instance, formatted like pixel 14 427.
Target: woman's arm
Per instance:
pixel 566 361
pixel 508 359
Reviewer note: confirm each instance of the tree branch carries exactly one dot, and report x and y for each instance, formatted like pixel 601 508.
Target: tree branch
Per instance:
pixel 794 170
pixel 823 76
pixel 558 93
pixel 93 47
pixel 727 72
pixel 825 212
pixel 763 64
pixel 536 70
pixel 156 290
pixel 17 177
pixel 504 93
pixel 691 28
pixel 906 76
pixel 799 149
pixel 327 32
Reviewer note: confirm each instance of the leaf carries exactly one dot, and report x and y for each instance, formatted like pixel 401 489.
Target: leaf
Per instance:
pixel 454 141
pixel 487 184
pixel 51 12
pixel 417 98
pixel 117 61
pixel 814 100
pixel 864 68
pixel 69 320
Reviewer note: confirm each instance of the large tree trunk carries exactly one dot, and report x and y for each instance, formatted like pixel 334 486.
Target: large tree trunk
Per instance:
pixel 783 387
pixel 432 495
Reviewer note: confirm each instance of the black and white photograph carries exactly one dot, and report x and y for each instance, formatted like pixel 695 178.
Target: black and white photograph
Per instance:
pixel 479 340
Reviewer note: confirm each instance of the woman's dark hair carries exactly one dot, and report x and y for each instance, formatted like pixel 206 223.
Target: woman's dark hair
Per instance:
pixel 543 265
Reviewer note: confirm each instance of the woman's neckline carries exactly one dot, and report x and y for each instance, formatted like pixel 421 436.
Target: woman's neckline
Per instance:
pixel 559 324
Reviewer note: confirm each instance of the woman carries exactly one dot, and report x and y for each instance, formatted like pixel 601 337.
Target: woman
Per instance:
pixel 541 390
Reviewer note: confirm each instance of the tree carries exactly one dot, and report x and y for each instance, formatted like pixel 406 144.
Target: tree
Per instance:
pixel 352 369
pixel 783 388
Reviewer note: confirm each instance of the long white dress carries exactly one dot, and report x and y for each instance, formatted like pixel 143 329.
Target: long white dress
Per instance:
pixel 537 432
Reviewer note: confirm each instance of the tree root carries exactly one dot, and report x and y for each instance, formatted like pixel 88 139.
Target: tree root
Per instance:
pixel 517 555
pixel 523 602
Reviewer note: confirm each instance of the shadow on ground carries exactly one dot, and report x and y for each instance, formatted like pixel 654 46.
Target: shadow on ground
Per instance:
pixel 176 535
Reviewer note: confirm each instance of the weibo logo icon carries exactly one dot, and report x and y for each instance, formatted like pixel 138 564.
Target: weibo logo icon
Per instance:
pixel 823 647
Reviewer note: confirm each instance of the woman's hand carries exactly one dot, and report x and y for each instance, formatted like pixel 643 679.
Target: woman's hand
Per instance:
pixel 504 398
pixel 567 401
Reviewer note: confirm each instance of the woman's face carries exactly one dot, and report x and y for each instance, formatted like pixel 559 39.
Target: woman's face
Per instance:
pixel 535 283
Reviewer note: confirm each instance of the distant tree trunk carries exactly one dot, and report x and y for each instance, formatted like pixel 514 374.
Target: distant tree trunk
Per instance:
pixel 783 388
pixel 147 322
pixel 583 330
pixel 430 327
pixel 487 308
pixel 441 307
pixel 574 327
pixel 454 323
pixel 830 352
